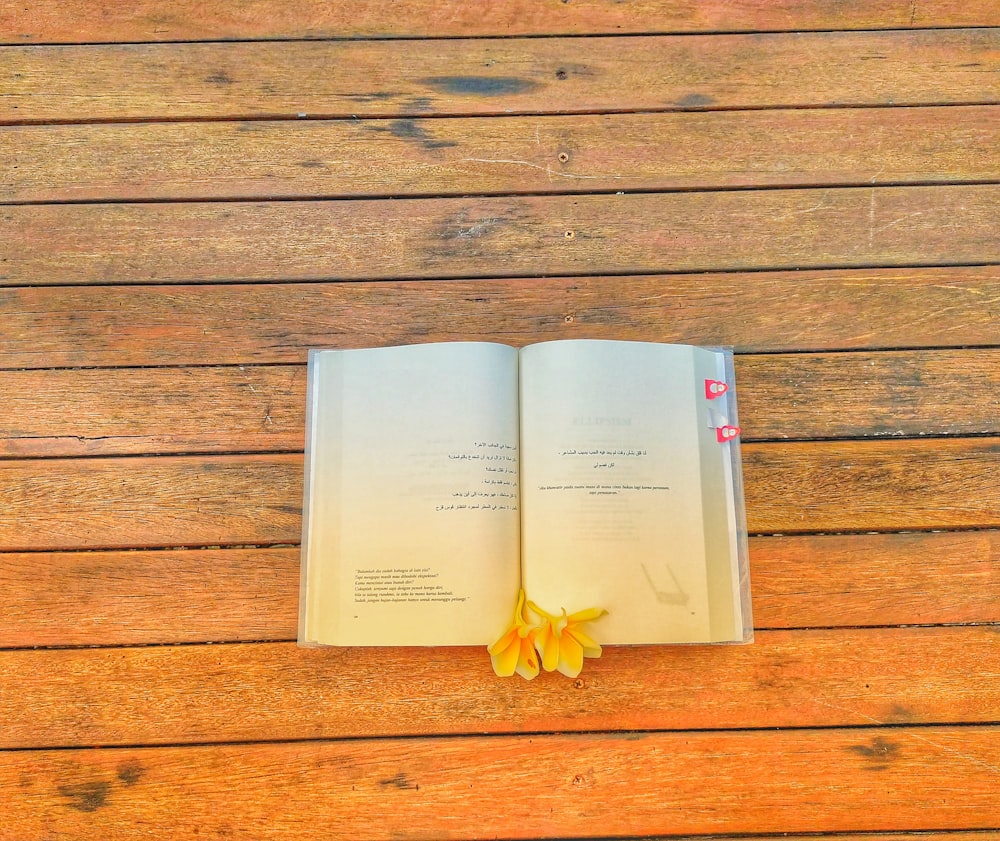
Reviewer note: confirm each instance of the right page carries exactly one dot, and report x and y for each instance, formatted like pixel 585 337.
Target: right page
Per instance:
pixel 628 500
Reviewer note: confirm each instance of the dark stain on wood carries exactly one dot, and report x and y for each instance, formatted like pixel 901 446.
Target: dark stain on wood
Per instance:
pixel 86 797
pixel 378 96
pixel 880 753
pixel 480 85
pixel 418 105
pixel 220 77
pixel 695 100
pixel 130 773
pixel 412 130
pixel 312 164
pixel 900 713
pixel 399 781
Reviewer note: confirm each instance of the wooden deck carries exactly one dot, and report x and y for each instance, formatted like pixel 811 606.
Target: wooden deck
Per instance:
pixel 194 193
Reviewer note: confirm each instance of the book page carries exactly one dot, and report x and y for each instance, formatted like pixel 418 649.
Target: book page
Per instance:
pixel 615 439
pixel 412 510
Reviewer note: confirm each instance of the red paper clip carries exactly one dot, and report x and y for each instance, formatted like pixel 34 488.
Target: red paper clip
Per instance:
pixel 715 388
pixel 726 433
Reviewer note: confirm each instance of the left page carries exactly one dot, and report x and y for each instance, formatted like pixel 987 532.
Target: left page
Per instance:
pixel 410 517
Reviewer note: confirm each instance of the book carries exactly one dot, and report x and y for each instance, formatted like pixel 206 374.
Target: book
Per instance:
pixel 442 479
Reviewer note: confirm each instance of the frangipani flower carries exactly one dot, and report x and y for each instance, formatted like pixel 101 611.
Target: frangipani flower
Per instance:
pixel 515 650
pixel 561 642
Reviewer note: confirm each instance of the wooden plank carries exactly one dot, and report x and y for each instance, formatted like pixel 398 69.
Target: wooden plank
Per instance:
pixel 850 486
pixel 132 411
pixel 129 597
pixel 171 501
pixel 329 159
pixel 521 236
pixel 346 79
pixel 833 395
pixel 195 693
pixel 277 323
pixel 866 779
pixel 886 579
pixel 201 595
pixel 75 21
pixel 140 502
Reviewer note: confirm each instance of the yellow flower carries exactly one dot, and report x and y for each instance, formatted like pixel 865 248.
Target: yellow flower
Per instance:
pixel 561 642
pixel 515 650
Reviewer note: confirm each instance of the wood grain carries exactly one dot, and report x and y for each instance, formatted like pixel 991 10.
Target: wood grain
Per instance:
pixel 308 175
pixel 758 311
pixel 885 579
pixel 833 395
pixel 865 779
pixel 75 21
pixel 850 486
pixel 329 159
pixel 346 79
pixel 141 597
pixel 172 501
pixel 479 237
pixel 141 502
pixel 132 411
pixel 182 694
pixel 202 595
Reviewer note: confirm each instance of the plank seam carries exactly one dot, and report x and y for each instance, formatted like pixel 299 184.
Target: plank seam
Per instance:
pixel 498 115
pixel 500 277
pixel 454 115
pixel 402 197
pixel 294 364
pixel 765 629
pixel 49 550
pixel 548 36
pixel 623 734
pixel 165 454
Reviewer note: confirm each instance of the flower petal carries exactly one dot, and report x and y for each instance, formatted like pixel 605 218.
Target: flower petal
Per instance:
pixel 547 645
pixel 527 661
pixel 505 662
pixel 588 615
pixel 570 656
pixel 503 642
pixel 590 647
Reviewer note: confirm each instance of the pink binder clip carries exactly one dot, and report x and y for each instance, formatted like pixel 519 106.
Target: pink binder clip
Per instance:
pixel 726 433
pixel 715 388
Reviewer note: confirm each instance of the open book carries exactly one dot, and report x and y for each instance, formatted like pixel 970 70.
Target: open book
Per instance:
pixel 441 478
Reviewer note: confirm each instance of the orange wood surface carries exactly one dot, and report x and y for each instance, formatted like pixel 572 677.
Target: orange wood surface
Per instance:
pixel 80 326
pixel 179 694
pixel 348 79
pixel 527 236
pixel 193 194
pixel 201 595
pixel 76 21
pixel 253 499
pixel 52 412
pixel 624 783
pixel 542 154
